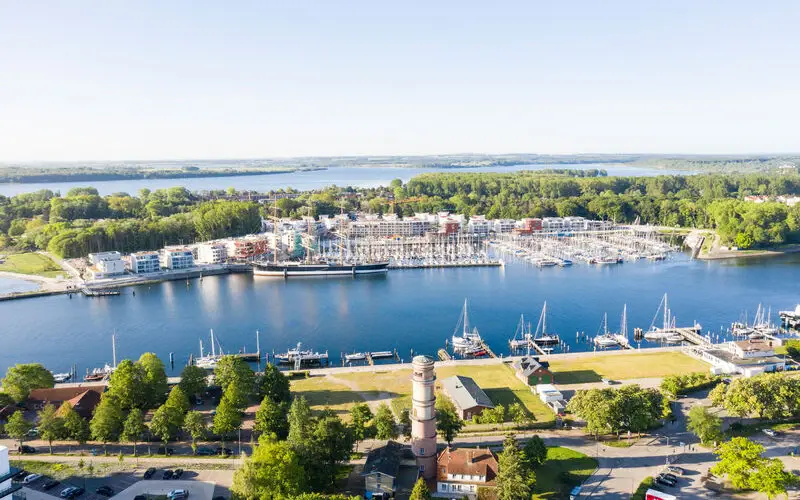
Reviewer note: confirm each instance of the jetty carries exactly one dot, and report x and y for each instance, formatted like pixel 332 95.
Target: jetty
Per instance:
pixel 444 355
pixel 98 292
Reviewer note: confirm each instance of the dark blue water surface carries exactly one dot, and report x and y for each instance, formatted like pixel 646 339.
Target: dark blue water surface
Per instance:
pixel 405 309
pixel 305 180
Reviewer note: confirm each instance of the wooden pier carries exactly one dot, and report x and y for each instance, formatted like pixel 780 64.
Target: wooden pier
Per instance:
pixel 96 292
pixel 488 349
pixel 369 359
pixel 444 355
pixel 691 335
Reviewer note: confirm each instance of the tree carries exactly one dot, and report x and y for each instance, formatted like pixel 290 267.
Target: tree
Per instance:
pixel 162 425
pixel 17 427
pixel 5 400
pixel 195 425
pixel 514 482
pixel 51 425
pixel 127 385
pixel 360 415
pixel 133 428
pixel 405 422
pixel 384 423
pixel 447 421
pixel 75 426
pixel 106 424
pixel 420 491
pixel 178 404
pixel 228 418
pixel 273 472
pixel 271 418
pixel 534 452
pixel 274 385
pixel 330 445
pixel 234 375
pixel 299 423
pixel 771 478
pixel 703 424
pixel 155 379
pixel 518 413
pixel 22 378
pixel 739 458
pixel 193 380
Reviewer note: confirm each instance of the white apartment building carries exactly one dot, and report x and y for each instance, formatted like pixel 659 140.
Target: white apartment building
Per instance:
pixel 6 472
pixel 176 258
pixel 144 262
pixel 211 253
pixel 478 225
pixel 504 225
pixel 106 264
pixel 391 226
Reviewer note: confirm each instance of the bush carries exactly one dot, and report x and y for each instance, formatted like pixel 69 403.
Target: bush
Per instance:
pixel 645 485
pixel 685 384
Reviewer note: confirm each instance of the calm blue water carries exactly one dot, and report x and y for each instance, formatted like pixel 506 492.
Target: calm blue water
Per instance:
pixel 341 176
pixel 10 285
pixel 405 309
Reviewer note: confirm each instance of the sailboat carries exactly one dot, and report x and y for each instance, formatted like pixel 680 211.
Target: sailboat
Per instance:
pixel 763 323
pixel 521 337
pixel 605 339
pixel 468 340
pixel 105 372
pixel 622 337
pixel 741 328
pixel 209 362
pixel 544 338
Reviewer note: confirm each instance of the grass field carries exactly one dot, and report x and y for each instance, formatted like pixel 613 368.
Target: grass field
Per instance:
pixel 551 478
pixel 618 367
pixel 322 393
pixel 31 263
pixel 498 381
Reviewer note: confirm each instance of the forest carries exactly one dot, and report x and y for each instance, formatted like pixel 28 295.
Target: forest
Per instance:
pixel 82 221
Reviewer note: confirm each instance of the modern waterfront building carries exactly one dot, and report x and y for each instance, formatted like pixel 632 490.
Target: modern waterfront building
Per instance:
pixel 462 471
pixel 746 357
pixel 468 398
pixel 388 226
pixel 478 225
pixel 247 247
pixel 212 252
pixel 423 415
pixel 176 258
pixel 504 225
pixel 144 262
pixel 106 264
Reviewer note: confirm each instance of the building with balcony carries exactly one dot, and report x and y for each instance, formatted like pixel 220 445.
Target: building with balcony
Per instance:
pixel 144 262
pixel 211 253
pixel 176 258
pixel 106 264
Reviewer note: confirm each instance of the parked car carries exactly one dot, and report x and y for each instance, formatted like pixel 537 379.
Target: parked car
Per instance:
pixel 31 478
pixel 105 490
pixel 607 381
pixel 50 484
pixel 770 433
pixel 223 451
pixel 78 492
pixel 177 474
pixel 198 401
pixel 140 497
pixel 665 481
pixel 178 494
pixel 165 451
pixel 674 469
pixel 671 477
pixel 26 449
pixel 167 474
pixel 205 451
pixel 71 492
pixel 149 472
pixel 19 476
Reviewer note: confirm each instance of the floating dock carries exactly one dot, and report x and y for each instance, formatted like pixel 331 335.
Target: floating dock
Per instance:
pixel 99 292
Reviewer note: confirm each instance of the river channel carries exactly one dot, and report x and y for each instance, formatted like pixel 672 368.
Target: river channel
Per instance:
pixel 404 310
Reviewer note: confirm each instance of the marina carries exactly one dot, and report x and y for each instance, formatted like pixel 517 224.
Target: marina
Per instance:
pixel 413 309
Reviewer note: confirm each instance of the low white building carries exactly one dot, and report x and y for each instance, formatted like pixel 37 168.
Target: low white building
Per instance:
pixel 6 472
pixel 144 262
pixel 176 258
pixel 747 357
pixel 212 253
pixel 548 393
pixel 106 264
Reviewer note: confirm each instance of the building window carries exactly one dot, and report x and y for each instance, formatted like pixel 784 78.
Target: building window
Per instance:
pixel 422 451
pixel 444 470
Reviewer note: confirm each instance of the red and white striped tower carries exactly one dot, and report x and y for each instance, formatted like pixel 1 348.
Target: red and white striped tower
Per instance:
pixel 423 415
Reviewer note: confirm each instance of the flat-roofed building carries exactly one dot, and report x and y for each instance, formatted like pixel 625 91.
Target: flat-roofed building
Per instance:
pixel 176 258
pixel 212 253
pixel 106 264
pixel 144 262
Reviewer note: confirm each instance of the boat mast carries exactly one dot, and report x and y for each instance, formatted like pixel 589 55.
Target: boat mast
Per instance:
pixel 213 349
pixel 624 329
pixel 114 347
pixel 201 348
pixel 466 319
pixel 605 323
pixel 258 345
pixel 544 318
pixel 666 312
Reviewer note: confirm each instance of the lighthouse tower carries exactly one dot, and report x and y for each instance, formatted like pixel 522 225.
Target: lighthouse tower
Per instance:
pixel 423 415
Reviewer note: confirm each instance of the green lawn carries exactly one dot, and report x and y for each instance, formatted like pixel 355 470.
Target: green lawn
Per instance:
pixel 563 470
pixel 624 366
pixel 497 380
pixel 322 393
pixel 31 263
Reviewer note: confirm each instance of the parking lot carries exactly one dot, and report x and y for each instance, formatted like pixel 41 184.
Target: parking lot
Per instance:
pixel 202 485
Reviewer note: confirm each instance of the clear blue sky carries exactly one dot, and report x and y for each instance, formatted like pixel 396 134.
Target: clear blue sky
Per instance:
pixel 145 79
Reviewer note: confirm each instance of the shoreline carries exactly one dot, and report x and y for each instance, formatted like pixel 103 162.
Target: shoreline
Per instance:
pixel 739 254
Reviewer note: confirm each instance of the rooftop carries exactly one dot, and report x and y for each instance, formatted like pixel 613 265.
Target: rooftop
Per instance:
pixel 755 345
pixel 729 357
pixel 528 365
pixel 465 393
pixel 467 461
pixel 385 459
